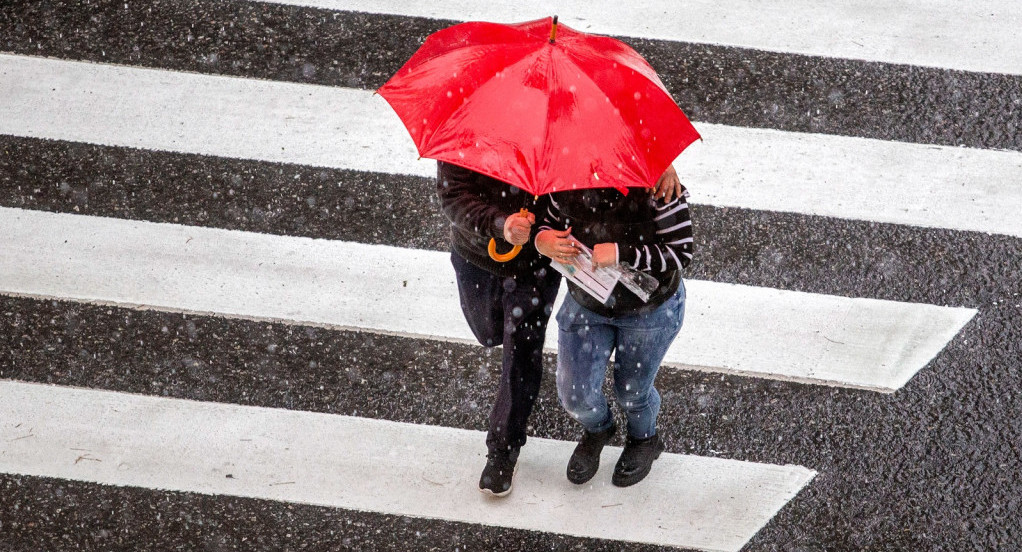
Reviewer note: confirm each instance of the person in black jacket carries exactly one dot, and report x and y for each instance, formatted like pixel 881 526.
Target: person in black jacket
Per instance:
pixel 505 304
pixel 656 238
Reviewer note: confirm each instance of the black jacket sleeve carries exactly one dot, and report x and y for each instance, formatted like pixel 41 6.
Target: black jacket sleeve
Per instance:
pixel 464 201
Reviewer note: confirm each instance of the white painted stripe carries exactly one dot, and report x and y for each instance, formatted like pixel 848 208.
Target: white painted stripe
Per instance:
pixel 981 35
pixel 854 178
pixel 378 466
pixel 806 337
pixel 203 114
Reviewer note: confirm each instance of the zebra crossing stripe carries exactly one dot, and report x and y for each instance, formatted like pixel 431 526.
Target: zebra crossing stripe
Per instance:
pixel 730 328
pixel 843 177
pixel 976 36
pixel 395 468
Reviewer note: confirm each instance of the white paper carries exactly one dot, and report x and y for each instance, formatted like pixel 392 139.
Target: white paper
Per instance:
pixel 597 282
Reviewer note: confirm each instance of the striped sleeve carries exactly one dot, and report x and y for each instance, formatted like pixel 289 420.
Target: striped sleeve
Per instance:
pixel 550 216
pixel 674 245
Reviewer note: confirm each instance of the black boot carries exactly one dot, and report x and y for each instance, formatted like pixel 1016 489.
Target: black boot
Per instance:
pixel 585 461
pixel 500 469
pixel 636 460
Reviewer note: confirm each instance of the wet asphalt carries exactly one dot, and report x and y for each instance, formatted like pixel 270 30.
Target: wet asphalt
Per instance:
pixel 934 466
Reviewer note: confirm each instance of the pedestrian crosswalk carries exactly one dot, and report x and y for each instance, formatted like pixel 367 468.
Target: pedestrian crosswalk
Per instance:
pixel 812 338
pixel 406 465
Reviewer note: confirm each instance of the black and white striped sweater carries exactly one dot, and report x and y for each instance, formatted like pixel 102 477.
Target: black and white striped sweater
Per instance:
pixel 674 249
pixel 650 236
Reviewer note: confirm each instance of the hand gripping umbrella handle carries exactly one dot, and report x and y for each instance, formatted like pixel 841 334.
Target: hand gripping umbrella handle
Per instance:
pixel 504 257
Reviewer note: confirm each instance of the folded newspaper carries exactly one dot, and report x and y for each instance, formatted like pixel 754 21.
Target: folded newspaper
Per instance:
pixel 600 282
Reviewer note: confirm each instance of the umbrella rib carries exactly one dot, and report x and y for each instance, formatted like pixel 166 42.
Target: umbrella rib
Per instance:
pixel 452 117
pixel 440 55
pixel 546 115
pixel 649 73
pixel 614 112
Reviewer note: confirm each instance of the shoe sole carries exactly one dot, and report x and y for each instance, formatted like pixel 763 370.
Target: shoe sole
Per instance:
pixel 580 481
pixel 638 477
pixel 488 492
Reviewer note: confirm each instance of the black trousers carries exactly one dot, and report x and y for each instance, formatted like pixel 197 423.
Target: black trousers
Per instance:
pixel 513 312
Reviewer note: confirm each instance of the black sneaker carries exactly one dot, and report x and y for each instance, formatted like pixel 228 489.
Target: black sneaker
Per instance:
pixel 500 469
pixel 585 461
pixel 636 460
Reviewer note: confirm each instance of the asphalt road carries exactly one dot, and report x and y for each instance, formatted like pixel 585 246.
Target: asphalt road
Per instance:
pixel 933 466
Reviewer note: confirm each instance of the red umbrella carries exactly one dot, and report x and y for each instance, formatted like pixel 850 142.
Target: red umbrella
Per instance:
pixel 540 106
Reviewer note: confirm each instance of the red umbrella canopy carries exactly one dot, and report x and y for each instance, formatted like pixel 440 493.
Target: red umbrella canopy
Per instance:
pixel 540 106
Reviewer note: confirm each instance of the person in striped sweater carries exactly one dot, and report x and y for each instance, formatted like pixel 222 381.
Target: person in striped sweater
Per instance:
pixel 644 234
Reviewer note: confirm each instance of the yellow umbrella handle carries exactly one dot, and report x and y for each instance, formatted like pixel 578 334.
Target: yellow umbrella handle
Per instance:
pixel 504 257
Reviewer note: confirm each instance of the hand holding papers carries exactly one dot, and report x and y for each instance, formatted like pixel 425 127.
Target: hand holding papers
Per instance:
pixel 600 282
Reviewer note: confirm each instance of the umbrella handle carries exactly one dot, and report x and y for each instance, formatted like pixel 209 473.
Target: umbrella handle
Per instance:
pixel 504 257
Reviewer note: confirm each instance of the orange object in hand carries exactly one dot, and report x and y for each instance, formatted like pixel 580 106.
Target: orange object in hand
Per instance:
pixel 504 257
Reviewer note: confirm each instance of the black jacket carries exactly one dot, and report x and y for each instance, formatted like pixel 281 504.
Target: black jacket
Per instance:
pixel 477 207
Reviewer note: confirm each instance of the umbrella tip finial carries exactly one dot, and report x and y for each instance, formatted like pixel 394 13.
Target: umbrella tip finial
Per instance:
pixel 553 30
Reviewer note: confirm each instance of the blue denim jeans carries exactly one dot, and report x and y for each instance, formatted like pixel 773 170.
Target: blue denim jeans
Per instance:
pixel 639 343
